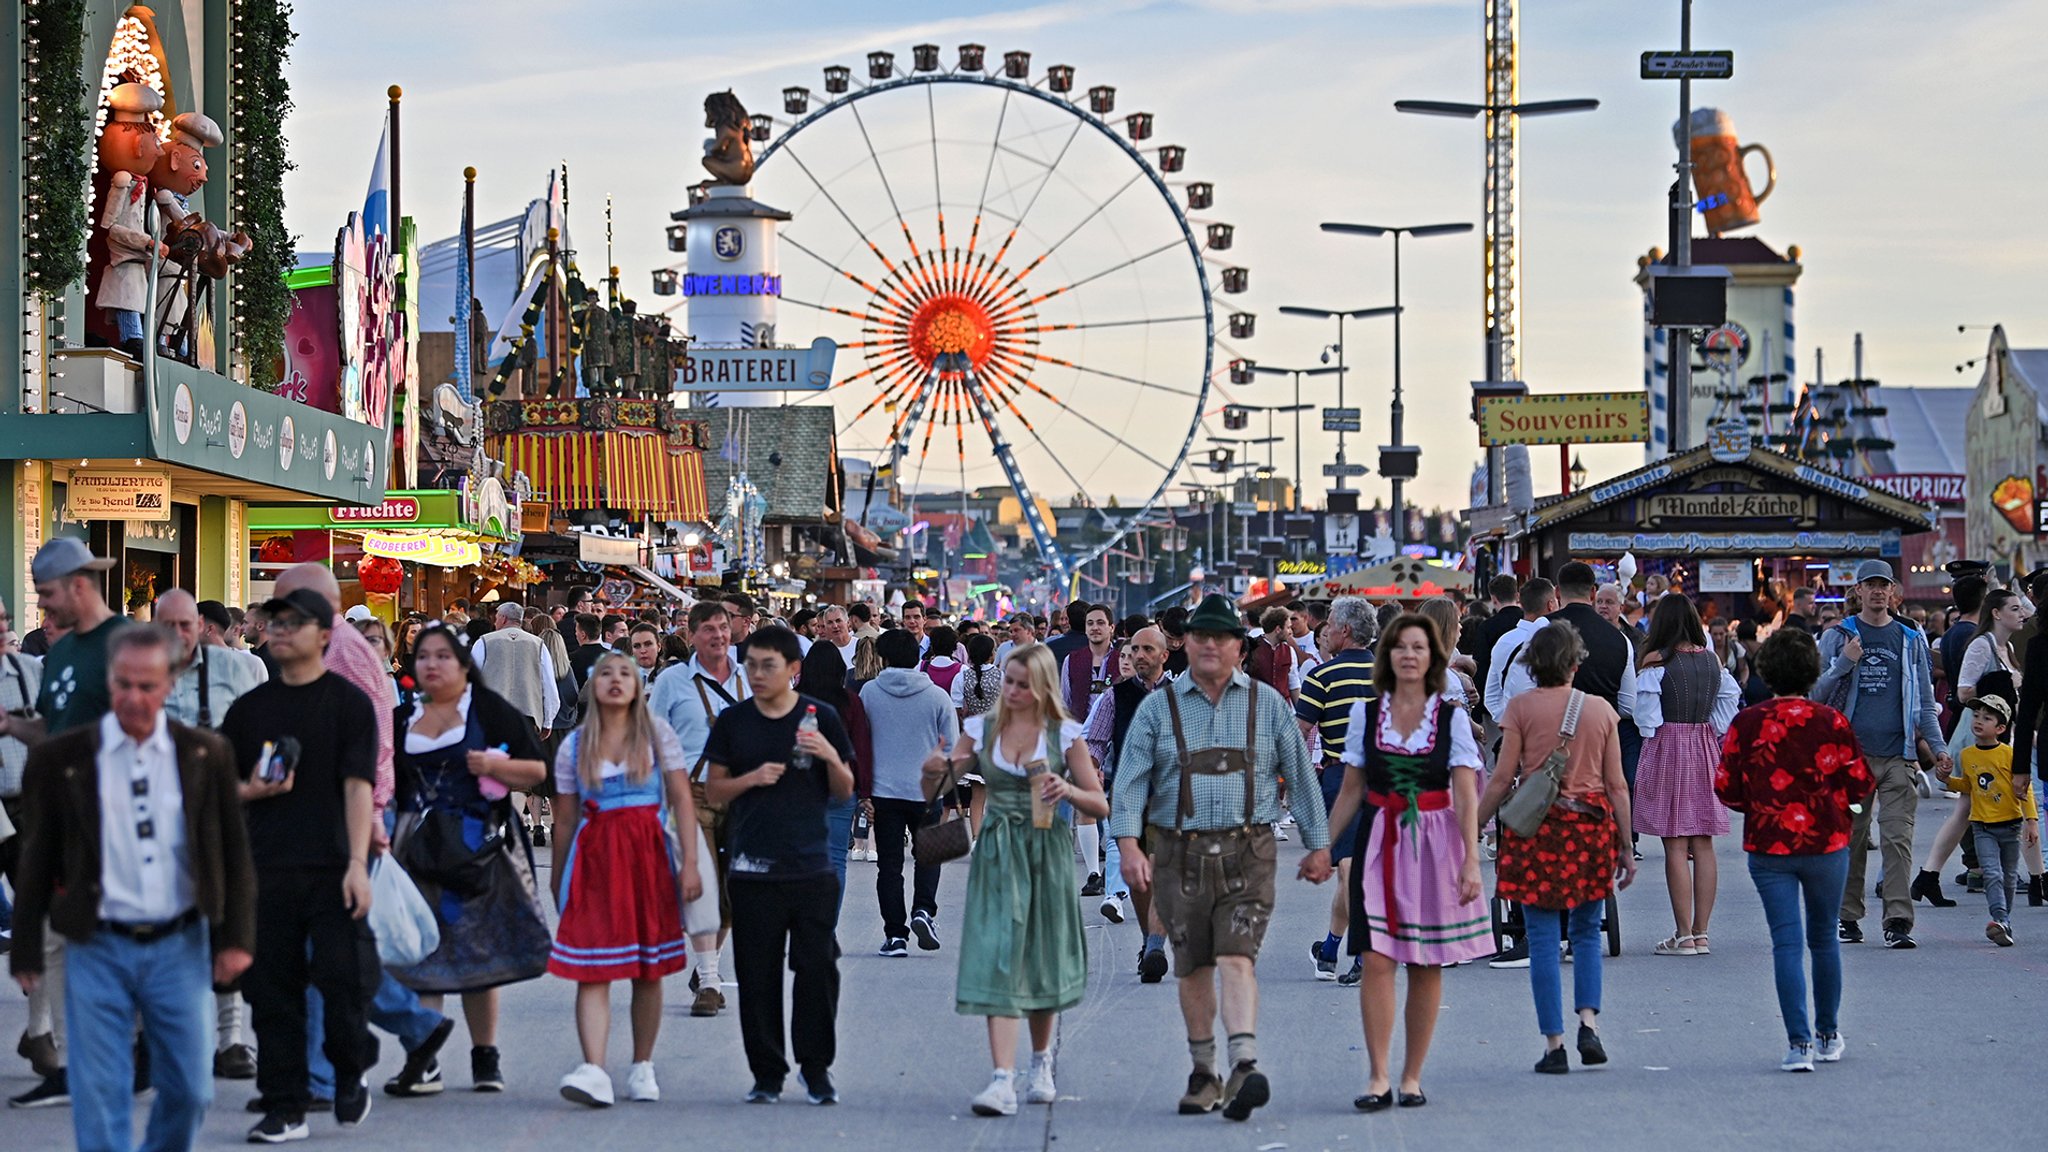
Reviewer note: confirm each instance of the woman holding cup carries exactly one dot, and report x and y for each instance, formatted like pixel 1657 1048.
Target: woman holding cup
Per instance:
pixel 1022 951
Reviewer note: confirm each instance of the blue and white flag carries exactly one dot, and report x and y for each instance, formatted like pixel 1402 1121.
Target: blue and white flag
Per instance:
pixel 377 201
pixel 464 372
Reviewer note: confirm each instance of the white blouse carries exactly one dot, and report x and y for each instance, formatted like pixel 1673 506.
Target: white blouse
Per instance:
pixel 415 743
pixel 1648 712
pixel 1072 732
pixel 1464 749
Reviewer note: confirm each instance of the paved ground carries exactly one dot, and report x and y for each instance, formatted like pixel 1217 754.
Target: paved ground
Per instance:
pixel 1695 1044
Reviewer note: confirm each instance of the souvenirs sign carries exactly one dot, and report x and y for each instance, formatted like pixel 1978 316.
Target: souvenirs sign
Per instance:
pixel 95 495
pixel 1565 418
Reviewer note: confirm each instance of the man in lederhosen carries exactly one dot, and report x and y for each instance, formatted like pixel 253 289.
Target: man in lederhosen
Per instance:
pixel 1199 779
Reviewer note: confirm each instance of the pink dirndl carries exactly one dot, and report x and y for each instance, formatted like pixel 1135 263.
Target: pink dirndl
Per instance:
pixel 1410 880
pixel 1674 794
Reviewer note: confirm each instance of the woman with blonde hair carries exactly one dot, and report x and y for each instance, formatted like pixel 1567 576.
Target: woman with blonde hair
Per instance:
pixel 617 881
pixel 1021 946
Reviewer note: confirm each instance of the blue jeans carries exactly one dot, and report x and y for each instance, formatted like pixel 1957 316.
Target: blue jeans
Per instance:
pixel 127 325
pixel 838 839
pixel 1782 883
pixel 395 1008
pixel 1546 978
pixel 1998 853
pixel 109 981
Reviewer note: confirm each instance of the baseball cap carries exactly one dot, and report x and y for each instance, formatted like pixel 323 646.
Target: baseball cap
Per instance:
pixel 1875 570
pixel 61 557
pixel 305 602
pixel 359 612
pixel 1993 703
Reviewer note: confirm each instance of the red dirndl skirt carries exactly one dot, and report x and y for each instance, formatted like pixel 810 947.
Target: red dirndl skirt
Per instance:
pixel 1568 862
pixel 622 910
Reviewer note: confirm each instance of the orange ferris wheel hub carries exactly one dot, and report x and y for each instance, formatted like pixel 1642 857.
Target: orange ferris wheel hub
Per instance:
pixel 951 323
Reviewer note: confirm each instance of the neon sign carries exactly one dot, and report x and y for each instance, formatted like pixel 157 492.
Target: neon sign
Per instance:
pixel 714 285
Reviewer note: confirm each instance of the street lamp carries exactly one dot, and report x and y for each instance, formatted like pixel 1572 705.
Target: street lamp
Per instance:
pixel 1578 471
pixel 1298 408
pixel 1398 470
pixel 1325 314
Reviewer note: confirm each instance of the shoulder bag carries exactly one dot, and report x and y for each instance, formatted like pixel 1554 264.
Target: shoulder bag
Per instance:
pixel 1529 804
pixel 947 839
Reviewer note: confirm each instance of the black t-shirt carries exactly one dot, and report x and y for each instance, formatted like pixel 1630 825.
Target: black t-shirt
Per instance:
pixel 777 832
pixel 336 729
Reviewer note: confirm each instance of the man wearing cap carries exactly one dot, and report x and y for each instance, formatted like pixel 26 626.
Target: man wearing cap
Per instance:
pixel 1211 830
pixel 306 752
pixel 1878 672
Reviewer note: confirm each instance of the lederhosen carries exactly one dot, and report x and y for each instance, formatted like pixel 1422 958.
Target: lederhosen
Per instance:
pixel 1200 874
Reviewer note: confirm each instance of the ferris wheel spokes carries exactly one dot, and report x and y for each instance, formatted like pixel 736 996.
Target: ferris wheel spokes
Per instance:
pixel 1048 548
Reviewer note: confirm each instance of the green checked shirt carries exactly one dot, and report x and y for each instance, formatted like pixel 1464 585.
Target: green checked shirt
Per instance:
pixel 1148 774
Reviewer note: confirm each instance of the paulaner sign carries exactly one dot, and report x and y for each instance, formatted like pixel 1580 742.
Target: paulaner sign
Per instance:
pixel 1565 418
pixel 758 369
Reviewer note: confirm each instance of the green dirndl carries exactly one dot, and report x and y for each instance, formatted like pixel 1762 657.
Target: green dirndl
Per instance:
pixel 1021 944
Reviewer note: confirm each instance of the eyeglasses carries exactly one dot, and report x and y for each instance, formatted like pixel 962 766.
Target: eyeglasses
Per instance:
pixel 280 625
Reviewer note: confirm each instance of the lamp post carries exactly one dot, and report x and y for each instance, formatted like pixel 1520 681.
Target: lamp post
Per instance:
pixel 1325 314
pixel 1418 231
pixel 1298 408
pixel 1502 203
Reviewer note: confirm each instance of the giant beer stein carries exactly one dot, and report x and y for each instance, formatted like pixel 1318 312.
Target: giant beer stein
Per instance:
pixel 1718 177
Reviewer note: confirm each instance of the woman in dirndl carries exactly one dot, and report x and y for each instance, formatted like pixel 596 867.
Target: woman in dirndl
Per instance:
pixel 617 878
pixel 1581 853
pixel 1685 700
pixel 1411 757
pixel 1022 953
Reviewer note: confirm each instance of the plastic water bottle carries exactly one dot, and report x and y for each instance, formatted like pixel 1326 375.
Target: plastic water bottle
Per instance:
pixel 799 759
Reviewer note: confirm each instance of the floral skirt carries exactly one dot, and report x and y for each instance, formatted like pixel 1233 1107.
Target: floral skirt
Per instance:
pixel 1568 862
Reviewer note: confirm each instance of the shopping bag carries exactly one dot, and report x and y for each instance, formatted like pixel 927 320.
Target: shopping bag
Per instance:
pixel 403 921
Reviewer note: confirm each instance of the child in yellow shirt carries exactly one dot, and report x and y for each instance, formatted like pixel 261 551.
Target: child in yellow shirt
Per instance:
pixel 1999 816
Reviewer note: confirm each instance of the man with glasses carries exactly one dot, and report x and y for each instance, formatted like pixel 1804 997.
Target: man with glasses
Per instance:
pixel 138 856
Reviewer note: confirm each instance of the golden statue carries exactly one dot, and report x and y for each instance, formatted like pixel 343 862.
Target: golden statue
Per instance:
pixel 727 156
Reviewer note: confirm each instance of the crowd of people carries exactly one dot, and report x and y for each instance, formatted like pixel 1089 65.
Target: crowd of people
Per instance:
pixel 292 809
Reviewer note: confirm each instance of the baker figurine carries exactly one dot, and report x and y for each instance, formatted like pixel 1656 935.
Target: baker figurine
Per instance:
pixel 129 150
pixel 196 246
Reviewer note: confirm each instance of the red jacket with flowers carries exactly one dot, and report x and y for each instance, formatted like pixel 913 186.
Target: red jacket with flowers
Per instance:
pixel 1793 767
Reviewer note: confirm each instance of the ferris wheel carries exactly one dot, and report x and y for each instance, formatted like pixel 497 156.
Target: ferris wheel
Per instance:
pixel 1022 273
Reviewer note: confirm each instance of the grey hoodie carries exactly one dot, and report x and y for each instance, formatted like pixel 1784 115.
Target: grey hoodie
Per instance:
pixel 908 717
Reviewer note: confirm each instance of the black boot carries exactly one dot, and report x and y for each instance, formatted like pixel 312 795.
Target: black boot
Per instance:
pixel 2034 895
pixel 1927 886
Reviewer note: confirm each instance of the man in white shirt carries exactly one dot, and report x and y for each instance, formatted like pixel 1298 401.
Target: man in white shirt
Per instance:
pixel 516 665
pixel 690 697
pixel 207 677
pixel 1505 678
pixel 835 627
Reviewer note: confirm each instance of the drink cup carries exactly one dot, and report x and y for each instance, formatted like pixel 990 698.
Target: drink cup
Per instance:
pixel 1042 810
pixel 1718 177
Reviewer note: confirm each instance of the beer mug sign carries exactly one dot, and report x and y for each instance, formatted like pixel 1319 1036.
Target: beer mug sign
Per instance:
pixel 1720 183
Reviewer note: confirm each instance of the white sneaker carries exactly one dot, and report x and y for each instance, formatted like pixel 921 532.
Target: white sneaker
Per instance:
pixel 1112 908
pixel 1798 1058
pixel 998 1099
pixel 1280 832
pixel 1039 1089
pixel 589 1085
pixel 640 1083
pixel 1830 1049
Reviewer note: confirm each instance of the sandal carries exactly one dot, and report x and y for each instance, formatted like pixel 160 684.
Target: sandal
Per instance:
pixel 1699 945
pixel 1675 945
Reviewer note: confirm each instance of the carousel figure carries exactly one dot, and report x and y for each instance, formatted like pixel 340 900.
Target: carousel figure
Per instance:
pixel 199 252
pixel 128 153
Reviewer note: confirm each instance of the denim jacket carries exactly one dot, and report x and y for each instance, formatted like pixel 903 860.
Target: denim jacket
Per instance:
pixel 1838 686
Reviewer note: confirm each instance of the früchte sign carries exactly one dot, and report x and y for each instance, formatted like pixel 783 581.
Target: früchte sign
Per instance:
pixel 394 510
pixel 1728 506
pixel 1565 418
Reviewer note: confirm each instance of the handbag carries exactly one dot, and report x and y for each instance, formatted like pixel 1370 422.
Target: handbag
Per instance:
pixel 1529 804
pixel 949 839
pixel 433 849
pixel 401 918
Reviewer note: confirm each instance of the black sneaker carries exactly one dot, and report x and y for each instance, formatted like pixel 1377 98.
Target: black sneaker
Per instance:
pixel 235 1062
pixel 927 935
pixel 484 1075
pixel 1850 932
pixel 1554 1063
pixel 1094 885
pixel 351 1102
pixel 1352 975
pixel 278 1127
pixel 421 1075
pixel 1152 966
pixel 54 1090
pixel 260 1106
pixel 894 946
pixel 1517 956
pixel 818 1086
pixel 1591 1051
pixel 1899 934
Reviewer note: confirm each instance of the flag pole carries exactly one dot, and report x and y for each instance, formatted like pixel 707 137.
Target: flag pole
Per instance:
pixel 394 92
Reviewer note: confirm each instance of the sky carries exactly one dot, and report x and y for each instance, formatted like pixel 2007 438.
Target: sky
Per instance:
pixel 1903 135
